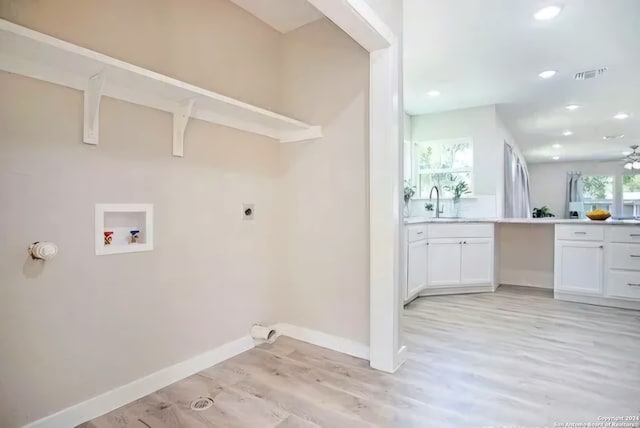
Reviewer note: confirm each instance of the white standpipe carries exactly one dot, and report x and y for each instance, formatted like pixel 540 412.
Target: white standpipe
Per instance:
pixel 262 334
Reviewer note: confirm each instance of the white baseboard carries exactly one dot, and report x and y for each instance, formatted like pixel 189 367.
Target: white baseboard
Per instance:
pixel 120 396
pixel 111 400
pixel 324 340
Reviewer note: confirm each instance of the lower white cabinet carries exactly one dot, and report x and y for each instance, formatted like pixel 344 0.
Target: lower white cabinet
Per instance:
pixel 416 267
pixel 448 258
pixel 444 262
pixel 476 265
pixel 579 266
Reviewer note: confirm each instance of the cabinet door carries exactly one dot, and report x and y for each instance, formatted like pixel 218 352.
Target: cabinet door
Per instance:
pixel 416 267
pixel 579 267
pixel 476 266
pixel 444 262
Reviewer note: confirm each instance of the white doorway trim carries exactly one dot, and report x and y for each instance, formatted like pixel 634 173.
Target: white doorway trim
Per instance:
pixel 359 20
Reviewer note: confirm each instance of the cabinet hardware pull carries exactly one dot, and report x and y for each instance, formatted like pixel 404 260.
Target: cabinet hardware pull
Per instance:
pixel 634 255
pixel 580 233
pixel 634 234
pixel 601 246
pixel 633 285
pixel 419 233
pixel 464 242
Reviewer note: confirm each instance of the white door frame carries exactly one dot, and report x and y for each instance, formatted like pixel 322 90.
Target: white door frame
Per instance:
pixel 357 19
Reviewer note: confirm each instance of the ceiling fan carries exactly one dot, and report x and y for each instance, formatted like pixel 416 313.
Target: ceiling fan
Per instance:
pixel 632 161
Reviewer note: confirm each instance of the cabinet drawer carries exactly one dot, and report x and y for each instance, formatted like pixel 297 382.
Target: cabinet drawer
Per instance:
pixel 416 233
pixel 624 285
pixel 457 230
pixel 580 233
pixel 624 256
pixel 624 234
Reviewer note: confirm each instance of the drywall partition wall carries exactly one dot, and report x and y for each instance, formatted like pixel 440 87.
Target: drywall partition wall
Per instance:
pixel 480 124
pixel 81 325
pixel 324 186
pixel 377 26
pixel 548 181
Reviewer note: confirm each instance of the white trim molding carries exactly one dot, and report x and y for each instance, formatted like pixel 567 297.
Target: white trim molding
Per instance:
pixel 125 394
pixel 118 397
pixel 324 340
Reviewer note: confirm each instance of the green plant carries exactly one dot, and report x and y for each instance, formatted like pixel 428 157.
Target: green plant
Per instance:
pixel 542 212
pixel 458 188
pixel 409 191
pixel 428 206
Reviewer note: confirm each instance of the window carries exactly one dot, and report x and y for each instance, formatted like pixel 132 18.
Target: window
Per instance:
pixel 597 192
pixel 630 195
pixel 442 163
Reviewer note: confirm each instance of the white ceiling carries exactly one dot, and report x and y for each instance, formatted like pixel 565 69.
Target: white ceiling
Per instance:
pixel 287 16
pixel 491 51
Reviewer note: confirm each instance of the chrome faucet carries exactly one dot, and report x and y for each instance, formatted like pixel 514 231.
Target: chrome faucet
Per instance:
pixel 437 199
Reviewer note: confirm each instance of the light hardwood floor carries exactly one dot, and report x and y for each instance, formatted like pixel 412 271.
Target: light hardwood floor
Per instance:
pixel 514 358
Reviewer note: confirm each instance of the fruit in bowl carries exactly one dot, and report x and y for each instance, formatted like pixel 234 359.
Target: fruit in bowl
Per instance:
pixel 599 215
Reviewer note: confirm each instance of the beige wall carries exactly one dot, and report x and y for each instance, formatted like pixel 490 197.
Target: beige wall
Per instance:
pixel 210 43
pixel 81 324
pixel 325 190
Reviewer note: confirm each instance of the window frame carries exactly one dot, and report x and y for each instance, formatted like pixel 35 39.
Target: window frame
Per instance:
pixel 415 170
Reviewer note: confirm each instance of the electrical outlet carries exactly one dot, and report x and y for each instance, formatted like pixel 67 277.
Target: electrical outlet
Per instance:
pixel 248 212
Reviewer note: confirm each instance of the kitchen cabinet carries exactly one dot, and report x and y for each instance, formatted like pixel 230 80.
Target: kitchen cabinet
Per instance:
pixel 448 259
pixel 476 264
pixel 444 262
pixel 579 267
pixel 416 267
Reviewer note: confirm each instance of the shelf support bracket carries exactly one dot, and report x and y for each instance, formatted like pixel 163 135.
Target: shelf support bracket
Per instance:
pixel 92 97
pixel 180 119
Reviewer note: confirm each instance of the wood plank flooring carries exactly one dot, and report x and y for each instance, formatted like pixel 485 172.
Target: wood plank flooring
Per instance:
pixel 514 358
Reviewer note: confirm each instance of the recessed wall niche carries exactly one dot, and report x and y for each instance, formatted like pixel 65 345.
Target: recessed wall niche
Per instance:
pixel 123 228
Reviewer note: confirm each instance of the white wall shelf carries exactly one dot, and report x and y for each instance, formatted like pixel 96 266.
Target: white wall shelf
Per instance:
pixel 120 220
pixel 39 56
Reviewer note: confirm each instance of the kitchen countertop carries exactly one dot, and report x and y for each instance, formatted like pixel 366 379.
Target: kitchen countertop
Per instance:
pixel 548 220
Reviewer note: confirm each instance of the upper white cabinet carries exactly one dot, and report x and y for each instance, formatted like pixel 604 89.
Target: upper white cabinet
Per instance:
pixel 30 53
pixel 476 266
pixel 579 266
pixel 444 262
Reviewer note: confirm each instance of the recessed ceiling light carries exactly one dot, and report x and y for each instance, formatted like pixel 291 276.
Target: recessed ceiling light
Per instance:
pixel 546 13
pixel 555 157
pixel 621 116
pixel 556 146
pixel 627 153
pixel 613 137
pixel 547 74
pixel 567 133
pixel 433 93
pixel 572 107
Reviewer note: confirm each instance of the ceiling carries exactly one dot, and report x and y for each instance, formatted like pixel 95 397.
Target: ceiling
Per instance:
pixel 287 16
pixel 490 52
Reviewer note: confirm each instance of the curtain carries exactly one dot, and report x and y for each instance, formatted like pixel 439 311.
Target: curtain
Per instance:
pixel 574 191
pixel 517 199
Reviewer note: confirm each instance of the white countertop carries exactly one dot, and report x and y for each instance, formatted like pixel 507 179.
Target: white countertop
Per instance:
pixel 544 221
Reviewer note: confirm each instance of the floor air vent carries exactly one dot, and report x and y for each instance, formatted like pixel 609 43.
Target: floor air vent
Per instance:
pixel 202 403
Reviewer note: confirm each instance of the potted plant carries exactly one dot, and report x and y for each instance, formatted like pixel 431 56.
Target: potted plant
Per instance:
pixel 409 191
pixel 458 188
pixel 429 209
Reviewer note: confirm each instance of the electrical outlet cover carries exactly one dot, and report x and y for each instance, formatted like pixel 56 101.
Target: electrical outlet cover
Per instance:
pixel 248 212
